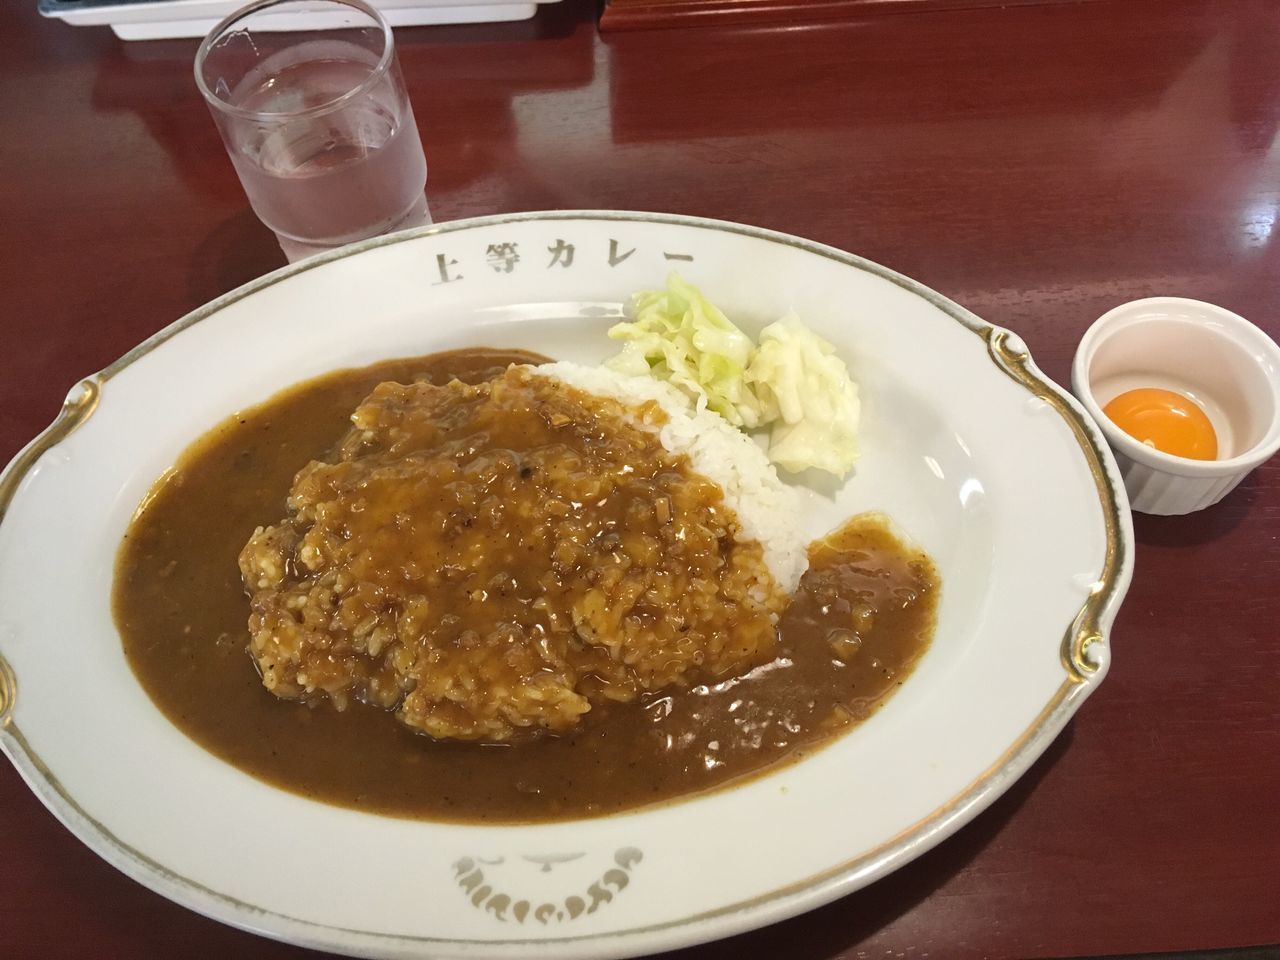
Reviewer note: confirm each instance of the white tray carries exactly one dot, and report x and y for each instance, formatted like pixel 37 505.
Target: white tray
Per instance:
pixel 161 19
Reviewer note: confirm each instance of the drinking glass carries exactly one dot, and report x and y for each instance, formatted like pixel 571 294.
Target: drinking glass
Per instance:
pixel 313 111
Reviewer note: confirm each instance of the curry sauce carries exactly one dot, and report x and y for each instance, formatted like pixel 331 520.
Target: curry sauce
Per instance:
pixel 861 618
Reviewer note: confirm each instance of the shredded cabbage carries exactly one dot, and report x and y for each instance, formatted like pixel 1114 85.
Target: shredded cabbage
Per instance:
pixel 680 336
pixel 793 382
pixel 817 402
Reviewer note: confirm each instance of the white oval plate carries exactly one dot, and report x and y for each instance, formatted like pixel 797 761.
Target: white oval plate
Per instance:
pixel 976 456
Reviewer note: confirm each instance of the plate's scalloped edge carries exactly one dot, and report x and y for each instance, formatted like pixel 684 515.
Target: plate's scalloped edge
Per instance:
pixel 79 405
pixel 1081 654
pixel 8 692
pixel 1085 652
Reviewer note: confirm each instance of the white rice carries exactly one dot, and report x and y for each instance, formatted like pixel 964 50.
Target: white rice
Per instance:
pixel 768 510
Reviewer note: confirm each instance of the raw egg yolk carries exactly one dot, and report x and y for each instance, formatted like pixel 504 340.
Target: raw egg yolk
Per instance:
pixel 1168 421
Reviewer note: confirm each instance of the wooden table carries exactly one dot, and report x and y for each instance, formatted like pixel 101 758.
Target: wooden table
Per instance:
pixel 1038 164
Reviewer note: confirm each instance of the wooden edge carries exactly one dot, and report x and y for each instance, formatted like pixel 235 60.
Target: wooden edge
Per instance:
pixel 622 15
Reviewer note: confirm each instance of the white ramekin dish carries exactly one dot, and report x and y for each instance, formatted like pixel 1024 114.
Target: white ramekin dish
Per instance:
pixel 1221 360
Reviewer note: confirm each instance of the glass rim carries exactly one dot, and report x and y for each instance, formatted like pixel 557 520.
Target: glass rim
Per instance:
pixel 379 70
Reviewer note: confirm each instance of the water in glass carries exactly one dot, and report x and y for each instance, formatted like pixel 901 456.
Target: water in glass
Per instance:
pixel 353 170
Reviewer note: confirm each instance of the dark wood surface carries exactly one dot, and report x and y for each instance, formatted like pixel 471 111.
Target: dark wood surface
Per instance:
pixel 1039 164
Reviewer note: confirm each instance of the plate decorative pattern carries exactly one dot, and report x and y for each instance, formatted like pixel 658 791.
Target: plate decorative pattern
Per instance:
pixel 958 426
pixel 1080 655
pixel 486 894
